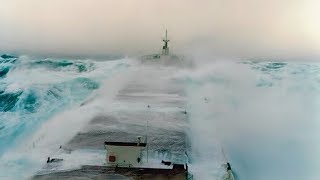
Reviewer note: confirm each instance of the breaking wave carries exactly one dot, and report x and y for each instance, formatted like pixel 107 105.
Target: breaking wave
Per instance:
pixel 262 117
pixel 34 90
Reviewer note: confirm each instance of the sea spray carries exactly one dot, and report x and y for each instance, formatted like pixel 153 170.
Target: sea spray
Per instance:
pixel 263 114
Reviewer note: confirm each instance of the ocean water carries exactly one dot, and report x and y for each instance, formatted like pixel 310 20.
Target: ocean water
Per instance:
pixel 262 117
pixel 33 91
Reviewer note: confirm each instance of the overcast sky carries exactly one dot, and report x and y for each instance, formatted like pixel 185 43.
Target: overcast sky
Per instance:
pixel 136 26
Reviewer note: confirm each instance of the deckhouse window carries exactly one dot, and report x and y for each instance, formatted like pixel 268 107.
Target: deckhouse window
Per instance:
pixel 112 158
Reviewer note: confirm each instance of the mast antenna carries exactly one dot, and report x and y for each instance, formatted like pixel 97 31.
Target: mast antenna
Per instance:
pixel 165 48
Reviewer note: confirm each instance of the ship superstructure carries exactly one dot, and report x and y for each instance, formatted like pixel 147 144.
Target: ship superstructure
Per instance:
pixel 165 57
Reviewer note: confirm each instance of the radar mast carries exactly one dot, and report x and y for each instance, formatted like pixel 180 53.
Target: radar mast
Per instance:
pixel 165 48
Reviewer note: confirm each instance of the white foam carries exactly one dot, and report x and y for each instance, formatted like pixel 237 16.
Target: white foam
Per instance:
pixel 268 132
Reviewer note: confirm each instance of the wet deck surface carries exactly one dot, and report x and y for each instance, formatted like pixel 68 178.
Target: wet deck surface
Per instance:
pixel 151 95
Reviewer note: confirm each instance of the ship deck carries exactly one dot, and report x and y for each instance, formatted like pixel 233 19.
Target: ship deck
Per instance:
pixel 150 95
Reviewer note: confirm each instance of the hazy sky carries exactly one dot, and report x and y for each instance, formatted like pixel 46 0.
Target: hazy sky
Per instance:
pixel 137 26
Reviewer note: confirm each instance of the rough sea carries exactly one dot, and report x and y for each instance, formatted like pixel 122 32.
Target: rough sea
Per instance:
pixel 261 116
